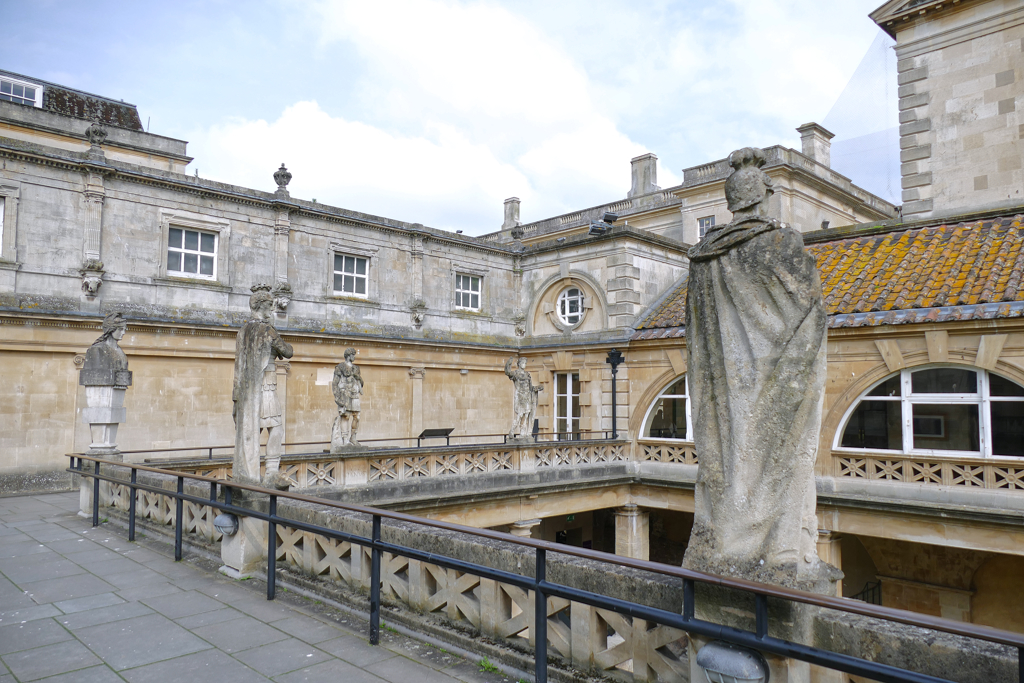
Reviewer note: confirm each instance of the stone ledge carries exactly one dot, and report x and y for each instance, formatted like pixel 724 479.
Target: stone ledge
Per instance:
pixel 211 285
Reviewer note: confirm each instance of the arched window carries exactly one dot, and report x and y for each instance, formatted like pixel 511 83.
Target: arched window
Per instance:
pixel 939 411
pixel 669 415
pixel 570 305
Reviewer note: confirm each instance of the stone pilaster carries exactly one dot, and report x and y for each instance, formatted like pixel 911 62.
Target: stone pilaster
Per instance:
pixel 416 414
pixel 632 532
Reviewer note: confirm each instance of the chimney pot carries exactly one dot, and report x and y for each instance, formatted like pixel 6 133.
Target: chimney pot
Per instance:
pixel 645 174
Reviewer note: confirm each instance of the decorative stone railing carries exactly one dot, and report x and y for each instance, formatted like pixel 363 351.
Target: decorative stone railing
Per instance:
pixel 378 465
pixel 586 638
pixel 665 451
pixel 962 472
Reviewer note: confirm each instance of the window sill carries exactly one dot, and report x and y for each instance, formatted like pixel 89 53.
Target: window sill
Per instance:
pixel 9 265
pixel 213 285
pixel 351 301
pixel 470 314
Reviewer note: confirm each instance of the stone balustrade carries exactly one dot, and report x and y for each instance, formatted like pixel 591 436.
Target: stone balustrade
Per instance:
pixel 986 473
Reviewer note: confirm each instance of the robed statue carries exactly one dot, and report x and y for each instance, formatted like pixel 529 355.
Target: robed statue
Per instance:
pixel 524 397
pixel 755 336
pixel 347 386
pixel 256 407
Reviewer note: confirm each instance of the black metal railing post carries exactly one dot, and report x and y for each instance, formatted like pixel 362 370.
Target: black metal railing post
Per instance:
pixel 272 550
pixel 96 496
pixel 761 616
pixel 540 620
pixel 178 518
pixel 375 554
pixel 131 505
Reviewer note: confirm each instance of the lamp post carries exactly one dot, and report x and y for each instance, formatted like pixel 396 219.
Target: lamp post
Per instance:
pixel 615 359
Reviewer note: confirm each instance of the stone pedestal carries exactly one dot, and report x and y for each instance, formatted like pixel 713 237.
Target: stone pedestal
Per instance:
pixel 105 412
pixel 245 551
pixel 632 533
pixel 85 486
pixel 523 528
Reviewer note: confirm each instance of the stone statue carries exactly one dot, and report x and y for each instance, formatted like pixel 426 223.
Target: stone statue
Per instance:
pixel 256 407
pixel 347 386
pixel 524 398
pixel 755 335
pixel 105 376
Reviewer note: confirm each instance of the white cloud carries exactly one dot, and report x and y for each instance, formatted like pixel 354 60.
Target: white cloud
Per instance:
pixel 459 105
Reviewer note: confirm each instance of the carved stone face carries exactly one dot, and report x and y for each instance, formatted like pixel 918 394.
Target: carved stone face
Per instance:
pixel 350 354
pixel 522 363
pixel 118 332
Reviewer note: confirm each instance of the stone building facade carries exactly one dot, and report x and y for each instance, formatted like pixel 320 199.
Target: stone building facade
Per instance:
pixel 961 91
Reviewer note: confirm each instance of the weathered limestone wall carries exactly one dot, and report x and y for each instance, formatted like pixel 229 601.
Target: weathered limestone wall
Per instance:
pixel 961 94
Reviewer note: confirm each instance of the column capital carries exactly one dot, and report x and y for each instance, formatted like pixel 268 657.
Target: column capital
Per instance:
pixel 523 528
pixel 417 373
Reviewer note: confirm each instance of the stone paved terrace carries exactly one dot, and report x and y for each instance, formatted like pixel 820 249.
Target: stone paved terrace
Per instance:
pixel 84 605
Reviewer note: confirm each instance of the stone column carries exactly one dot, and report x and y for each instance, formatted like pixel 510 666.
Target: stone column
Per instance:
pixel 830 550
pixel 416 413
pixel 632 533
pixel 523 528
pixel 284 368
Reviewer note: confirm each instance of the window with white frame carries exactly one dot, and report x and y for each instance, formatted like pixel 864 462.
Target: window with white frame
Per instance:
pixel 467 292
pixel 570 305
pixel 939 410
pixel 21 92
pixel 669 415
pixel 192 253
pixel 705 224
pixel 567 405
pixel 350 275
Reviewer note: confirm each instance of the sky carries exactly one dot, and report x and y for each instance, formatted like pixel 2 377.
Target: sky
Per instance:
pixel 435 111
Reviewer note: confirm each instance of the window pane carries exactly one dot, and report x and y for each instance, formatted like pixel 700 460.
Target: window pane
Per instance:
pixel 360 285
pixel 207 242
pixel 475 282
pixel 678 388
pixel 338 283
pixel 350 283
pixel 944 381
pixel 30 93
pixel 875 424
pixel 5 86
pixel 361 266
pixel 174 261
pixel 475 301
pixel 350 264
pixel 999 386
pixel 1007 428
pixel 339 263
pixel 890 387
pixel 946 427
pixel 174 238
pixel 576 384
pixel 19 91
pixel 669 420
pixel 562 407
pixel 206 265
pixel 192 240
pixel 191 263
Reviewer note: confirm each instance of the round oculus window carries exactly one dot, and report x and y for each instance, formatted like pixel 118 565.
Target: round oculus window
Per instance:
pixel 570 306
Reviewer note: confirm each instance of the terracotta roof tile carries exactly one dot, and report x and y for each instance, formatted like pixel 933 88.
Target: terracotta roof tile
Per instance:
pixel 944 272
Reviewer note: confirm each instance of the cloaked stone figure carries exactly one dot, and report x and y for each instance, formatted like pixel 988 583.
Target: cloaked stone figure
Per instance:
pixel 524 398
pixel 755 334
pixel 105 376
pixel 347 386
pixel 256 407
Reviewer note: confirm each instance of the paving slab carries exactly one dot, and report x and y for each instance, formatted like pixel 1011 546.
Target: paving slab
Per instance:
pixel 50 660
pixel 82 605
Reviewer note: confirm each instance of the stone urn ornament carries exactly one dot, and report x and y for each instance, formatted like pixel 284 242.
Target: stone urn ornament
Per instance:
pixel 106 377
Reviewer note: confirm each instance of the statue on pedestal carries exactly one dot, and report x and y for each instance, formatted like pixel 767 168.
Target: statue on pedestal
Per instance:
pixel 755 335
pixel 524 398
pixel 347 386
pixel 256 407
pixel 105 376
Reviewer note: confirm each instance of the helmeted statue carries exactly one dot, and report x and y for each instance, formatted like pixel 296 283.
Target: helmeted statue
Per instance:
pixel 524 397
pixel 105 376
pixel 347 386
pixel 755 335
pixel 256 407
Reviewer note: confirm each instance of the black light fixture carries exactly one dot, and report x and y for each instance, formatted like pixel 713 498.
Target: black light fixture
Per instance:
pixel 615 359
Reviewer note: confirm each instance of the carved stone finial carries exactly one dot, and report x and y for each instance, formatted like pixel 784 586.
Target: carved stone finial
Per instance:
pixel 96 134
pixel 282 177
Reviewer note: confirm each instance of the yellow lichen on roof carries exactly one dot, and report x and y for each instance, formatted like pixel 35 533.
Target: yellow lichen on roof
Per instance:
pixel 937 267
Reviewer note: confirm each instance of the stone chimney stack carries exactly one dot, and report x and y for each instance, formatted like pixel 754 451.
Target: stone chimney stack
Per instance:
pixel 645 174
pixel 816 143
pixel 511 213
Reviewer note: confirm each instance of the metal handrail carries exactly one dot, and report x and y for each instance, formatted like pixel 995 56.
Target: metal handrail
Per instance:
pixel 758 639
